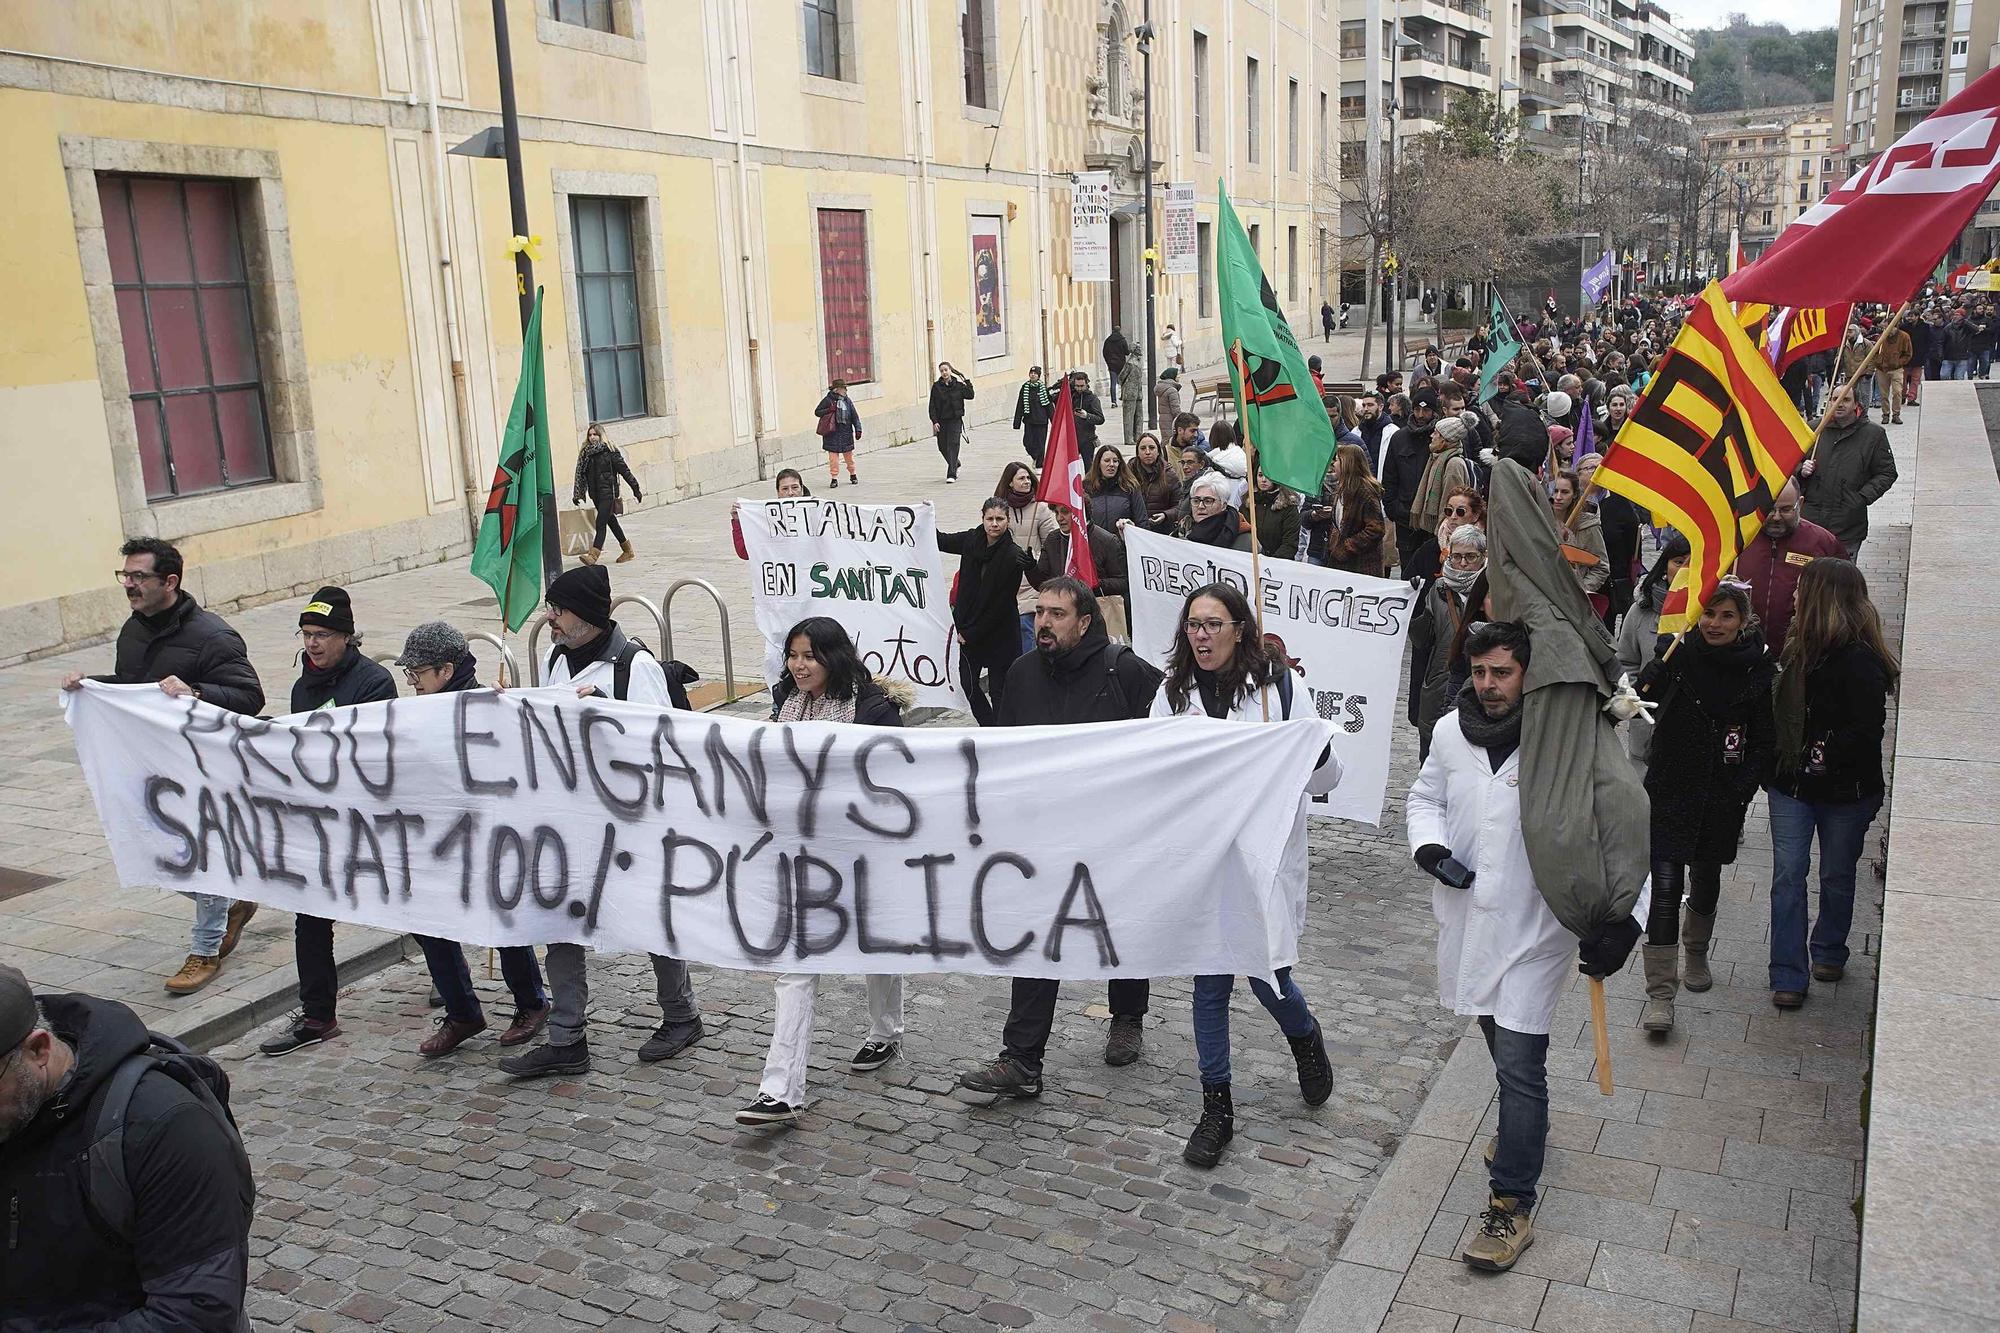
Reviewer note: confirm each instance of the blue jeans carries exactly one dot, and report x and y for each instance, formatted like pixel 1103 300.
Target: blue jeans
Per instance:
pixel 1521 1064
pixel 1842 828
pixel 1027 634
pixel 446 960
pixel 1211 1017
pixel 211 919
pixel 1954 370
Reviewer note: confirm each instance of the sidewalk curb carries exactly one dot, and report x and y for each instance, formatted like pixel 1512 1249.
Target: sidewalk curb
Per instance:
pixel 223 1018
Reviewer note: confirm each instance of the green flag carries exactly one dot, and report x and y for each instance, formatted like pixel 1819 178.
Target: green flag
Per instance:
pixel 1503 344
pixel 508 554
pixel 1278 407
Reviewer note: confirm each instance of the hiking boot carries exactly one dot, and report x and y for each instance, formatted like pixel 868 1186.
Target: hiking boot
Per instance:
pixel 1789 999
pixel 873 1055
pixel 1696 932
pixel 1315 1073
pixel 768 1110
pixel 1828 971
pixel 625 552
pixel 196 972
pixel 526 1023
pixel 549 1058
pixel 670 1041
pixel 1661 986
pixel 1505 1231
pixel 449 1036
pixel 1127 1039
pixel 299 1033
pixel 1216 1128
pixel 239 917
pixel 1002 1078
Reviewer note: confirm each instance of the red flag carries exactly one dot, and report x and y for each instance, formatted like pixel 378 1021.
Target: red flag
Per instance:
pixel 1881 234
pixel 1797 333
pixel 1062 484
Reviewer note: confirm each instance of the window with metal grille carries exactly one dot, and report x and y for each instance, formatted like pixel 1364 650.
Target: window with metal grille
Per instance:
pixel 184 314
pixel 823 54
pixel 607 295
pixel 594 14
pixel 843 295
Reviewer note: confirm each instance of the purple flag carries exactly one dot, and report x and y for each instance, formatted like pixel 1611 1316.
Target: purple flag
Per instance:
pixel 1586 436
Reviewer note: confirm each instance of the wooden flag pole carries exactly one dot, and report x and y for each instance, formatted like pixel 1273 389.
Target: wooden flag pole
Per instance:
pixel 1250 495
pixel 1601 1029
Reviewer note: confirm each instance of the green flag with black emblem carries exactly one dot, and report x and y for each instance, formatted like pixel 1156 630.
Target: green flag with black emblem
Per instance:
pixel 508 554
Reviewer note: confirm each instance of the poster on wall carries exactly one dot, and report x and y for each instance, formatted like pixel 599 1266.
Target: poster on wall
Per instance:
pixel 1090 228
pixel 1178 226
pixel 989 288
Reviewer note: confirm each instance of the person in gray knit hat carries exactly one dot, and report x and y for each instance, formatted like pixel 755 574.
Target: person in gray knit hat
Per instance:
pixel 437 660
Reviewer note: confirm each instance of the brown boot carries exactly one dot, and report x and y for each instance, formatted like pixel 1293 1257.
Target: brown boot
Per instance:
pixel 625 552
pixel 239 917
pixel 1696 932
pixel 590 557
pixel 195 973
pixel 1661 986
pixel 1506 1229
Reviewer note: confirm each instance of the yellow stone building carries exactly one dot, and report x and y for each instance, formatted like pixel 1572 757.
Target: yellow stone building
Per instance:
pixel 261 311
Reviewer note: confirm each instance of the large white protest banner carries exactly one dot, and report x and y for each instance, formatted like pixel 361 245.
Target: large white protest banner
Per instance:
pixel 1090 227
pixel 1178 225
pixel 534 816
pixel 1345 630
pixel 874 568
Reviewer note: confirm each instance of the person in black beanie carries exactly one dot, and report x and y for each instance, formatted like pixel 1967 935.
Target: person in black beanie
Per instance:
pixel 1402 471
pixel 333 673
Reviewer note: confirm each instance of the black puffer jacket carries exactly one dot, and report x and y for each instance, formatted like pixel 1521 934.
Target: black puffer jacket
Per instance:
pixel 1715 702
pixel 985 608
pixel 1096 681
pixel 184 1267
pixel 196 645
pixel 354 679
pixel 597 472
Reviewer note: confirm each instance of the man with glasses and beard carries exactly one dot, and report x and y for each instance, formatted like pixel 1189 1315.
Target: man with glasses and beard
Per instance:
pixel 189 653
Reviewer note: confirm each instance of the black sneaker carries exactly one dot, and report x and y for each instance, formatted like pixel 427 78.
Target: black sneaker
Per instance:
pixel 833 483
pixel 300 1032
pixel 1002 1078
pixel 670 1041
pixel 1216 1128
pixel 768 1110
pixel 874 1055
pixel 547 1059
pixel 1315 1070
pixel 1127 1039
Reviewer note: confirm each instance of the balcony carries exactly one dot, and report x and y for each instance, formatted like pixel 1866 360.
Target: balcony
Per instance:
pixel 1922 31
pixel 1474 8
pixel 1543 91
pixel 1906 68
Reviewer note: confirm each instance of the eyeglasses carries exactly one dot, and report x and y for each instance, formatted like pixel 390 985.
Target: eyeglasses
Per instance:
pixel 1203 501
pixel 415 675
pixel 315 637
pixel 1467 559
pixel 129 577
pixel 1208 629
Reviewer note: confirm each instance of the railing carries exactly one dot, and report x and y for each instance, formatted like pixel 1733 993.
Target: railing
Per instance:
pixel 1473 66
pixel 1934 65
pixel 510 670
pixel 1472 7
pixel 1542 89
pixel 722 613
pixel 1919 31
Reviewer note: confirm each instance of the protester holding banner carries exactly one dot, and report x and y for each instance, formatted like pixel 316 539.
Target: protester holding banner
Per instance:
pixel 1851 467
pixel 825 682
pixel 1711 750
pixel 1639 635
pixel 1159 485
pixel 437 660
pixel 1213 521
pixel 1111 491
pixel 991 567
pixel 1831 710
pixel 1075 675
pixel 1222 668
pixel 1032 523
pixel 593 658
pixel 333 673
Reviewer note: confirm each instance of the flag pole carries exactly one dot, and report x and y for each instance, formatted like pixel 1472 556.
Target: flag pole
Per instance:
pixel 1250 477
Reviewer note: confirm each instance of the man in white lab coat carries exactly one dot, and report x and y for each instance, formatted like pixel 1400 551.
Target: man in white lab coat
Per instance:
pixel 593 657
pixel 1502 955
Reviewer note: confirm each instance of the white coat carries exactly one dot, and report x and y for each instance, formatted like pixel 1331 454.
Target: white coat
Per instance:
pixel 1500 951
pixel 1292 870
pixel 647 683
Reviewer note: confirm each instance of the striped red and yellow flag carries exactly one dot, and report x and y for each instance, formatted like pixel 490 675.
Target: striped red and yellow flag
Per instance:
pixel 1708 447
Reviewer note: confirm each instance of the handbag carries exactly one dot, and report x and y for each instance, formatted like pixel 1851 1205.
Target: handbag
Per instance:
pixel 618 506
pixel 827 422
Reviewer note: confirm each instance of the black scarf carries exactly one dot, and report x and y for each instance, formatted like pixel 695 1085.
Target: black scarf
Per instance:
pixel 1720 677
pixel 464 676
pixel 1220 529
pixel 1498 736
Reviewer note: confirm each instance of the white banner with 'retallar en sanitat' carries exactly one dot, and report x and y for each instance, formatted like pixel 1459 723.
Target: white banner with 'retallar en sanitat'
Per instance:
pixel 1345 630
pixel 874 568
pixel 532 816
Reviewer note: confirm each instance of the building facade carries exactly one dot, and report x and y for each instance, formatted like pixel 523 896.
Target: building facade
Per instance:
pixel 275 319
pixel 1768 166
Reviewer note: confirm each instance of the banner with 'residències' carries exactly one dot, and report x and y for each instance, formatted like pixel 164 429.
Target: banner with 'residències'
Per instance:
pixel 1345 630
pixel 532 816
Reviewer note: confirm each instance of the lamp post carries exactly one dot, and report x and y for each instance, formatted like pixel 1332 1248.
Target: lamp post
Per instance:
pixel 1149 259
pixel 1395 349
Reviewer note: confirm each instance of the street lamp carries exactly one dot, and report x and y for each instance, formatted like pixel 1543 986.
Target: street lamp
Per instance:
pixel 1144 35
pixel 1402 40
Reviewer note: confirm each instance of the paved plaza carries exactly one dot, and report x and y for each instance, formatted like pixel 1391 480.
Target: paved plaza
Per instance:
pixel 1711 1194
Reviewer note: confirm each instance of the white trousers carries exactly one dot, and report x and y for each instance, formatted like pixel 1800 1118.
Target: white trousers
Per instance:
pixel 791 1030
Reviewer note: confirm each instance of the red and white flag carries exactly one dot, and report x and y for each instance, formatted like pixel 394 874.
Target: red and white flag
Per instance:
pixel 1881 234
pixel 1062 484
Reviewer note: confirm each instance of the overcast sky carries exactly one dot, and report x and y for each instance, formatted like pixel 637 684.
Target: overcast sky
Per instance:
pixel 1689 14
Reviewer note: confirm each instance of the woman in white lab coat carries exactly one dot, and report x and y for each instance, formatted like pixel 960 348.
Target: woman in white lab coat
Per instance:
pixel 1220 668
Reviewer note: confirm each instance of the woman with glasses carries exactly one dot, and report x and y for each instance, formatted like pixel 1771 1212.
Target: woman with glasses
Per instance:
pixel 1440 615
pixel 1220 668
pixel 1212 520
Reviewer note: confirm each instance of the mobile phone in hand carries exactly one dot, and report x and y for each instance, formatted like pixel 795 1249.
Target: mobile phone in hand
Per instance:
pixel 1455 873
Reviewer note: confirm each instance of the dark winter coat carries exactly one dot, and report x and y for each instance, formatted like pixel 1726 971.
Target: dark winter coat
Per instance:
pixel 597 473
pixel 989 577
pixel 197 646
pixel 1161 492
pixel 1096 681
pixel 846 422
pixel 873 707
pixel 1031 405
pixel 1355 547
pixel 1107 552
pixel 1116 350
pixel 1958 340
pixel 1771 565
pixel 1714 702
pixel 1854 468
pixel 1403 470
pixel 1089 414
pixel 1846 709
pixel 1107 507
pixel 948 398
pixel 1619 518
pixel 1432 631
pixel 186 1262
pixel 1277 528
pixel 354 679
pixel 1521 434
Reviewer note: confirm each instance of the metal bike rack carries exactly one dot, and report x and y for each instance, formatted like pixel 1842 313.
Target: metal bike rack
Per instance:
pixel 722 612
pixel 536 624
pixel 510 670
pixel 540 622
pixel 657 613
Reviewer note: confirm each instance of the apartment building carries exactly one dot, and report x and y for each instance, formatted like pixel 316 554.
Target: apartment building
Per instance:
pixel 1773 164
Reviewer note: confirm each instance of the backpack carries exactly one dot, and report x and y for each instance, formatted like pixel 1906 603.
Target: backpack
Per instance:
pixel 108 1187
